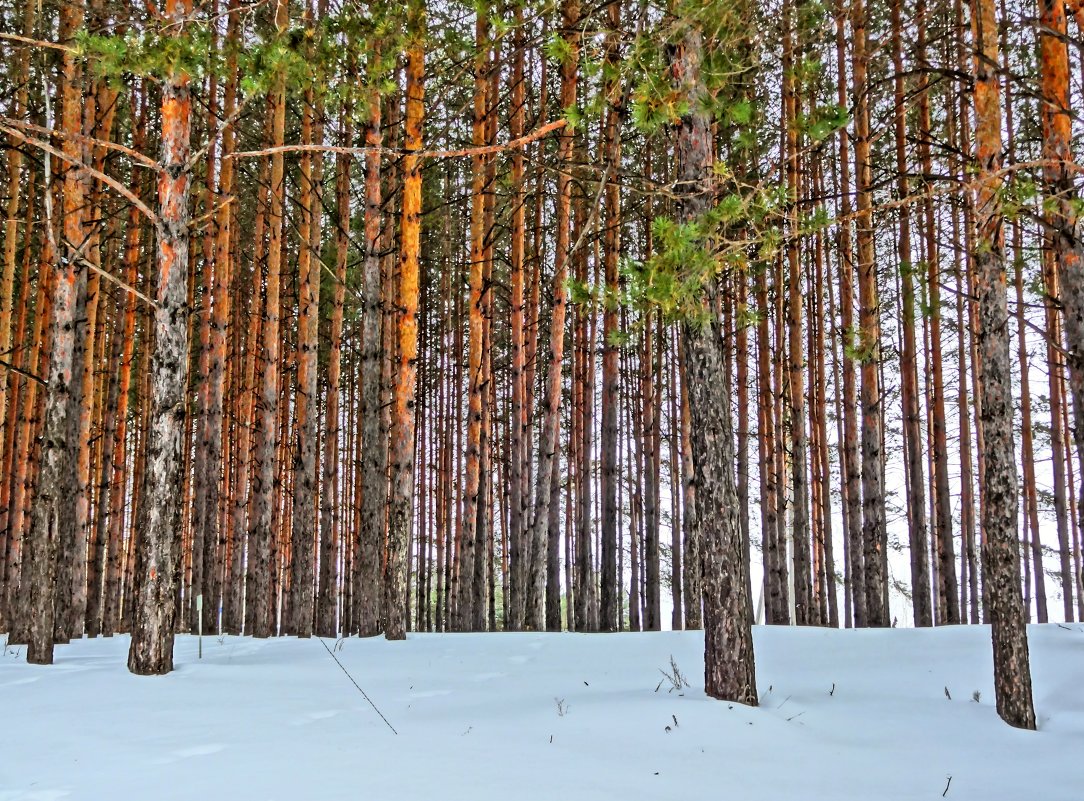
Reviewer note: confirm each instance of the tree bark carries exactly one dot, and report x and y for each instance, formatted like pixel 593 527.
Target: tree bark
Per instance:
pixel 158 571
pixel 547 446
pixel 260 616
pixel 402 452
pixel 916 496
pixel 519 424
pixel 874 533
pixel 374 483
pixel 1000 552
pixel 472 537
pixel 849 462
pixel 803 613
pixel 1062 218
pixel 728 642
pixel 609 592
pixel 54 509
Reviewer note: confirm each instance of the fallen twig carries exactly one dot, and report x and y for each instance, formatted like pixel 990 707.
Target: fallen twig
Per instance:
pixel 354 682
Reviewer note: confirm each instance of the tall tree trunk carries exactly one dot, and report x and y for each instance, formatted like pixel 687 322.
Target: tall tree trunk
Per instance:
pixel 200 475
pixel 849 462
pixel 17 558
pixel 547 446
pixel 912 425
pixel 1062 218
pixel 652 594
pixel 519 424
pixel 206 529
pixel 583 409
pixel 331 525
pixel 728 642
pixel 21 80
pixel 678 557
pixel 243 555
pixel 609 592
pixel 16 386
pixel 964 236
pixel 691 535
pixel 1027 448
pixel 737 365
pixel 803 613
pixel 777 610
pixel 472 536
pixel 402 451
pixel 636 474
pixel 820 402
pixel 259 591
pixel 110 570
pixel 874 533
pixel 374 483
pixel 54 513
pixel 305 489
pixel 942 529
pixel 1000 552
pixel 158 571
pixel 71 566
pixel 483 531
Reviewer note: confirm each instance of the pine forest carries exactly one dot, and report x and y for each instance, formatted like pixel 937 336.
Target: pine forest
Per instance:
pixel 334 318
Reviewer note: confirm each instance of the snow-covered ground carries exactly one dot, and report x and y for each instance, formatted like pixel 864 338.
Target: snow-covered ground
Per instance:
pixel 858 715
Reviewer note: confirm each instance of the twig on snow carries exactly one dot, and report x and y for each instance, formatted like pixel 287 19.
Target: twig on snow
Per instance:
pixel 354 682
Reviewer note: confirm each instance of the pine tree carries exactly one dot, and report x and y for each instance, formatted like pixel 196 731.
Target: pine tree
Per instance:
pixel 158 571
pixel 728 643
pixel 402 452
pixel 1000 554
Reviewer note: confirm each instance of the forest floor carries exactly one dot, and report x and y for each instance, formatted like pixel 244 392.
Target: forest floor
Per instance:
pixel 864 715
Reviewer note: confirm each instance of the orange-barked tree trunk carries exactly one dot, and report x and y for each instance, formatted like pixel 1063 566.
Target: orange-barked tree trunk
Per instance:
pixel 402 441
pixel 518 426
pixel 1062 217
pixel 1000 548
pixel 259 591
pixel 158 560
pixel 551 423
pixel 912 430
pixel 53 513
pixel 304 523
pixel 472 538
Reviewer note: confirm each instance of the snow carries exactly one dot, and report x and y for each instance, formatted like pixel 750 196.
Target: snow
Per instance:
pixel 843 715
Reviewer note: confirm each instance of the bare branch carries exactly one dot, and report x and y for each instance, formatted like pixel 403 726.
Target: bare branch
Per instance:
pixel 101 176
pixel 9 366
pixel 125 286
pixel 146 161
pixel 13 37
pixel 522 141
